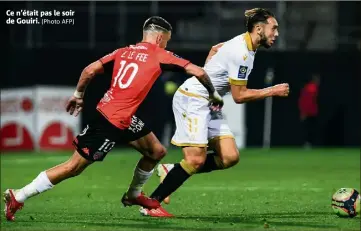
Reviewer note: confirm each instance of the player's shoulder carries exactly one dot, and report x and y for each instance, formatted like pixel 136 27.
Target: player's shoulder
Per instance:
pixel 234 47
pixel 237 43
pixel 166 53
pixel 117 51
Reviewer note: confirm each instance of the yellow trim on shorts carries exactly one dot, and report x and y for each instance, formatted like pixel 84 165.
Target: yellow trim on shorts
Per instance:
pixel 237 82
pixel 190 94
pixel 220 138
pixel 188 144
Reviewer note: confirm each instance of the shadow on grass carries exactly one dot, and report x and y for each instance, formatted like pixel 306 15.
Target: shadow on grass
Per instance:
pixel 251 220
pixel 257 219
pixel 136 223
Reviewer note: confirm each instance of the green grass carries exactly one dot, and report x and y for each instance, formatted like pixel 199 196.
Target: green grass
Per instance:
pixel 286 189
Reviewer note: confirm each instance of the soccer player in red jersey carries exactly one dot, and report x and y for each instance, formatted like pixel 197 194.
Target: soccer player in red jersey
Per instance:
pixel 135 69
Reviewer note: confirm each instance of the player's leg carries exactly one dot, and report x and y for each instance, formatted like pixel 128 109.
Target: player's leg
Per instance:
pixel 45 181
pixel 194 158
pixel 49 178
pixel 153 151
pixel 191 116
pixel 224 154
pixel 142 139
pixel 91 145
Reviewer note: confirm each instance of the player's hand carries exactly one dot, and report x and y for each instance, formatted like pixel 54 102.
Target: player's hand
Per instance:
pixel 281 90
pixel 75 106
pixel 215 101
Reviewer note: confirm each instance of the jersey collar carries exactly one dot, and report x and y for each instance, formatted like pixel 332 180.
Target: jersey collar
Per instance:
pixel 247 38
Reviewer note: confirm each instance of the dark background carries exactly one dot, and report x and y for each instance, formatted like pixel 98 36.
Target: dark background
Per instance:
pixel 56 55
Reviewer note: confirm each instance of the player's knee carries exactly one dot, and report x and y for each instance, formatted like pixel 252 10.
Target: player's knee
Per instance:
pixel 196 161
pixel 231 159
pixel 73 168
pixel 159 152
pixel 192 165
pixel 194 158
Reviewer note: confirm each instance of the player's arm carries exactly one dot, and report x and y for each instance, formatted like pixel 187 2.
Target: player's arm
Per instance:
pixel 201 75
pixel 90 71
pixel 75 104
pixel 171 62
pixel 238 77
pixel 213 51
pixel 241 94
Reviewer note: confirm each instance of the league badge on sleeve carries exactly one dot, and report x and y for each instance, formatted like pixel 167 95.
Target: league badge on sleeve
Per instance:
pixel 177 56
pixel 242 72
pixel 174 54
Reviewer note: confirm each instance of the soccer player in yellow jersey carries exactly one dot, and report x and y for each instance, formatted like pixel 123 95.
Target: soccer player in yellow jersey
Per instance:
pixel 228 66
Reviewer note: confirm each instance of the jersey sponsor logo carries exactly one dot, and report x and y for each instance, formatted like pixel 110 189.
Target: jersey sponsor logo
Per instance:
pixel 242 72
pixel 138 47
pixel 136 125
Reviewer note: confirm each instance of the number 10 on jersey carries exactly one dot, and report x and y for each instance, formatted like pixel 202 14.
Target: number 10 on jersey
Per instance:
pixel 126 74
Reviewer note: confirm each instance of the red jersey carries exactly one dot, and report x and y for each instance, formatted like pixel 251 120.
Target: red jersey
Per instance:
pixel 307 102
pixel 135 70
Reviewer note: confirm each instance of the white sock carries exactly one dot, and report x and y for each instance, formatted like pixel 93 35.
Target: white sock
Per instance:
pixel 139 178
pixel 40 184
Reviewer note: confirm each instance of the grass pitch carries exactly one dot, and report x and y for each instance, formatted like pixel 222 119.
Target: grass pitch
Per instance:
pixel 281 189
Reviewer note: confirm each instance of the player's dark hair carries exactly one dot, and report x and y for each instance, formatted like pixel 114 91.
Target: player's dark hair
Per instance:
pixel 256 15
pixel 157 23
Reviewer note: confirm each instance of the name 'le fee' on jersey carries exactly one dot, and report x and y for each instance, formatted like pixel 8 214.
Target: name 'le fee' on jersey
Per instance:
pixel 135 69
pixel 232 64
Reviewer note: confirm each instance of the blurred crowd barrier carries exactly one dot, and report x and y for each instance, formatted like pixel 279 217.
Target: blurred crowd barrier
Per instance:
pixel 34 118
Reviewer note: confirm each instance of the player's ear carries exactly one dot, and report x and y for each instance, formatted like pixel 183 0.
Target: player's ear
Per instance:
pixel 258 29
pixel 159 38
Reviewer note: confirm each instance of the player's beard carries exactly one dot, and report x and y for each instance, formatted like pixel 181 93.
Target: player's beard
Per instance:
pixel 263 41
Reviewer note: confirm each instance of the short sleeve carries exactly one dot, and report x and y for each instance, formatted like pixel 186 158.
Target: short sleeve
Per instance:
pixel 108 58
pixel 238 69
pixel 167 58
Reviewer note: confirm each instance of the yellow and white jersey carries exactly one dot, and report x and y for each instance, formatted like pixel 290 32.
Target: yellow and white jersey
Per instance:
pixel 195 124
pixel 232 64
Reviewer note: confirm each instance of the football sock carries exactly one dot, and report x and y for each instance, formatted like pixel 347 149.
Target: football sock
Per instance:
pixel 174 179
pixel 213 162
pixel 40 184
pixel 139 178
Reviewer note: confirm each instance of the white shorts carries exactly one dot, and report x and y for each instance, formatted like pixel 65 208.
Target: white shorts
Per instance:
pixel 195 124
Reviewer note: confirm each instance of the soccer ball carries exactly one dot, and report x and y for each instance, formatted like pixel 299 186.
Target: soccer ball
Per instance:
pixel 346 202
